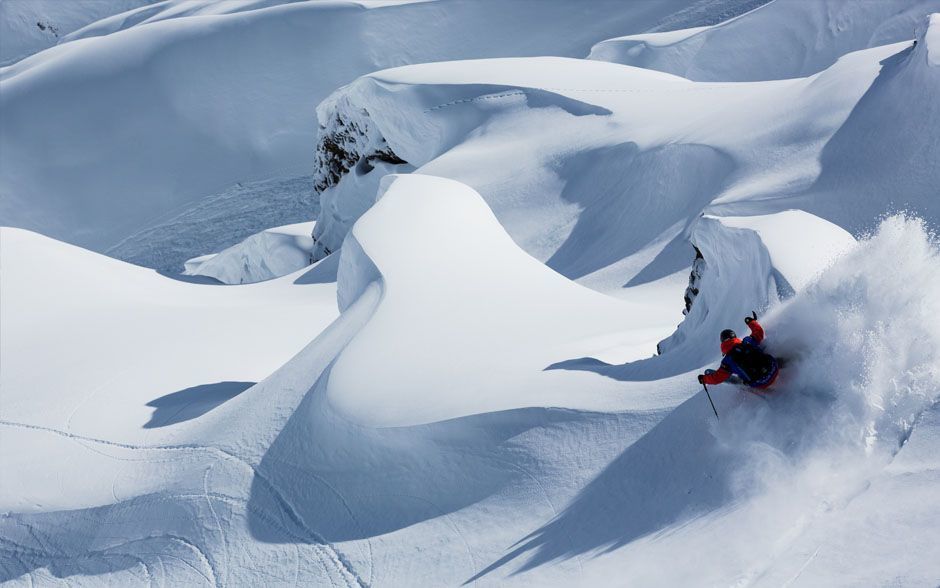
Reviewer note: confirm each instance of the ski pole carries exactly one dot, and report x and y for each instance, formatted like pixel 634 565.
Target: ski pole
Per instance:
pixel 710 401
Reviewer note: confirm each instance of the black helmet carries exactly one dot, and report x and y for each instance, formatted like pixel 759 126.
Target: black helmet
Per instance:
pixel 728 334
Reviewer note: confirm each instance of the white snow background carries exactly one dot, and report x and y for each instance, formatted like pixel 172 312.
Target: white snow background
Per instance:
pixel 414 293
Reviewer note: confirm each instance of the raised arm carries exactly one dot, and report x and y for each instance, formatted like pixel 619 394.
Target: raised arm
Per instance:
pixel 757 331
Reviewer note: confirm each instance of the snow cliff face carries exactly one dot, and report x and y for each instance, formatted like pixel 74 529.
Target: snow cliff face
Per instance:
pixel 692 290
pixel 348 140
pixel 929 34
pixel 737 278
pixel 749 260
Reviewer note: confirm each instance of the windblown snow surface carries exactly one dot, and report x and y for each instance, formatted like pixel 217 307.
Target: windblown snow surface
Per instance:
pixel 521 263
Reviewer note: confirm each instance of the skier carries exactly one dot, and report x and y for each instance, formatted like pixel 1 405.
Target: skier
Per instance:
pixel 744 358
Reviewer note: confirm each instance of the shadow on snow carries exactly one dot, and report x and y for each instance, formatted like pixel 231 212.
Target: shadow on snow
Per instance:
pixel 191 403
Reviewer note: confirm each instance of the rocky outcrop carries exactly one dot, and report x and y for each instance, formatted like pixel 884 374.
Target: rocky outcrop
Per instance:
pixel 695 279
pixel 349 143
pixel 692 290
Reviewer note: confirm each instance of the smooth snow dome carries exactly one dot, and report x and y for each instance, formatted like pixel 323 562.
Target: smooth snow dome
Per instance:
pixel 415 293
pixel 472 280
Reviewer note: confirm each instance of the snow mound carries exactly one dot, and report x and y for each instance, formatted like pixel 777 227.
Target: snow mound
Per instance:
pixel 596 145
pixel 83 358
pixel 269 254
pixel 453 281
pixel 191 487
pixel 777 40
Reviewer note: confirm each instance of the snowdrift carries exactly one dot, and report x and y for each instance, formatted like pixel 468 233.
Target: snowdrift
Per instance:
pixel 599 146
pixel 885 147
pixel 88 341
pixel 368 483
pixel 114 370
pixel 747 263
pixel 482 381
pixel 194 97
pixel 778 40
pixel 269 254
pixel 452 280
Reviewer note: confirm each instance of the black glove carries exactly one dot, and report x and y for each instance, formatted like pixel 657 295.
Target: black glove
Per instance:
pixel 753 317
pixel 701 379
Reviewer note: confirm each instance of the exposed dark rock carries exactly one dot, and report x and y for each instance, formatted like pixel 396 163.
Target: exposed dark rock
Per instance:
pixel 349 142
pixel 691 292
pixel 695 278
pixel 343 144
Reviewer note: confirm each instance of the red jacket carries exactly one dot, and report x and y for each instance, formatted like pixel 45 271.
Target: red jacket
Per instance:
pixel 723 372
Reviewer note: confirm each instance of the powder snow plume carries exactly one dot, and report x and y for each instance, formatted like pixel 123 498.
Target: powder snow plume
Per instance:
pixel 863 344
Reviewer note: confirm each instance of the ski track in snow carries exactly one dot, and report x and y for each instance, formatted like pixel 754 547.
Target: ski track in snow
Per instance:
pixel 334 556
pixel 23 551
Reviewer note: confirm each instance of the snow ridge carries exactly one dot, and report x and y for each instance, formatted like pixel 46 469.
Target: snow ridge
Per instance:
pixel 772 41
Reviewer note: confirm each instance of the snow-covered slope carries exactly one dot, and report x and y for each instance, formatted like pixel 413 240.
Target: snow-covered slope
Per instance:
pixel 205 95
pixel 596 145
pixel 886 150
pixel 300 478
pixel 489 378
pixel 780 39
pixel 219 221
pixel 29 26
pixel 84 335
